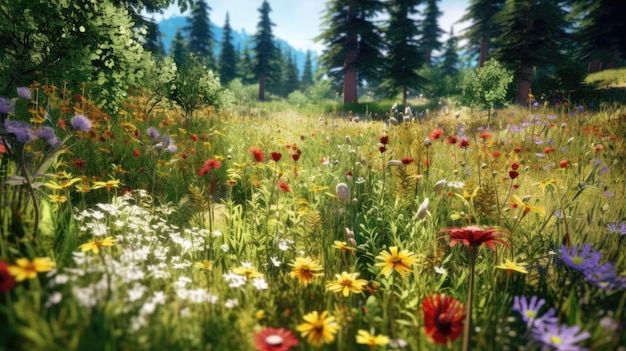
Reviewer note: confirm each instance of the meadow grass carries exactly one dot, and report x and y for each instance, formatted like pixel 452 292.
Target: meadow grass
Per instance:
pixel 200 234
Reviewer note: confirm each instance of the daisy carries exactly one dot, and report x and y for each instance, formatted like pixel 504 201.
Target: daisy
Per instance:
pixel 346 283
pixel 401 261
pixel 95 245
pixel 474 236
pixel 27 269
pixel 365 338
pixel 318 328
pixel 274 339
pixel 511 266
pixel 304 269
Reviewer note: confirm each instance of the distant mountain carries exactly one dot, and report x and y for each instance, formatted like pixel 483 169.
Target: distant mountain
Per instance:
pixel 241 39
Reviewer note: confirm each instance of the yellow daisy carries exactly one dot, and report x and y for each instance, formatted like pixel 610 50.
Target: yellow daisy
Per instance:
pixel 304 269
pixel 365 338
pixel 318 328
pixel 206 265
pixel 401 261
pixel 343 246
pixel 512 266
pixel 27 269
pixel 95 245
pixel 247 270
pixel 345 283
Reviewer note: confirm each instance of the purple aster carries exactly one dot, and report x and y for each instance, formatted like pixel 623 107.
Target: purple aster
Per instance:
pixel 551 117
pixel 153 133
pixel 23 131
pixel 617 228
pixel 47 133
pixel 582 259
pixel 24 92
pixel 80 122
pixel 560 337
pixel 529 309
pixel 6 105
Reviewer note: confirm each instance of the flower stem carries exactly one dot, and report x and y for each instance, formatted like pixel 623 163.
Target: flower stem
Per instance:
pixel 467 327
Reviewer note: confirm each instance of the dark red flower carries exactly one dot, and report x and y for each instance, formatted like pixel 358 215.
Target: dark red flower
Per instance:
pixel 209 166
pixel 274 339
pixel 79 162
pixel 517 149
pixel 475 236
pixel 295 157
pixel 515 166
pixel 451 140
pixel 284 187
pixel 443 318
pixel 407 160
pixel 257 153
pixel 276 156
pixel 463 143
pixel 436 134
pixel 384 139
pixel 194 137
pixel 513 174
pixel 382 149
pixel 6 279
pixel 495 154
pixel 563 163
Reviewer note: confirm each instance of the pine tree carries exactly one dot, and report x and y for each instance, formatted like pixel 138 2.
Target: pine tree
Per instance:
pixel 431 30
pixel 246 67
pixel 531 33
pixel 404 56
pixel 179 50
pixel 450 57
pixel 228 56
pixel 482 29
pixel 265 49
pixel 200 36
pixel 291 74
pixel 353 43
pixel 307 71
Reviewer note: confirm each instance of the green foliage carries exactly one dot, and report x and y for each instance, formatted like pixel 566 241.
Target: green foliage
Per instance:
pixel 195 87
pixel 486 86
pixel 199 33
pixel 228 59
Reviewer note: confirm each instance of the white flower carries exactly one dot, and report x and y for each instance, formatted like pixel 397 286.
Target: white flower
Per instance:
pixel 224 247
pixel 275 261
pixel 260 283
pixel 230 303
pixel 234 280
pixel 217 233
pixel 440 270
pixel 54 299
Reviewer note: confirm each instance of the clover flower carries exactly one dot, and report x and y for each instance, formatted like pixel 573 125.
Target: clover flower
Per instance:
pixel 23 131
pixel 81 123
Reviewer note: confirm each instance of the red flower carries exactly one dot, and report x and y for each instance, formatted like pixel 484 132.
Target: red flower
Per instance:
pixel 208 166
pixel 463 143
pixel 563 163
pixel 274 339
pixel 79 162
pixel 451 140
pixel 384 139
pixel 517 149
pixel 382 149
pixel 436 134
pixel 484 135
pixel 295 157
pixel 496 154
pixel 6 279
pixel 194 137
pixel 407 160
pixel 515 166
pixel 257 153
pixel 475 236
pixel 136 153
pixel 548 150
pixel 284 187
pixel 276 156
pixel 513 174
pixel 61 124
pixel 443 318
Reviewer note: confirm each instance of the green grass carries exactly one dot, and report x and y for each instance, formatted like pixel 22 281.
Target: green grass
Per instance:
pixel 607 78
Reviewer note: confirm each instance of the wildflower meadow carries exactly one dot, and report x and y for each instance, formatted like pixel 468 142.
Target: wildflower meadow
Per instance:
pixel 275 227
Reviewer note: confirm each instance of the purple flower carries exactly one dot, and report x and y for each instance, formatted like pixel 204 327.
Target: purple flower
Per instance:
pixel 24 92
pixel 580 108
pixel 605 277
pixel 581 260
pixel 22 131
pixel 47 133
pixel 153 133
pixel 617 228
pixel 80 122
pixel 551 117
pixel 529 309
pixel 560 337
pixel 6 105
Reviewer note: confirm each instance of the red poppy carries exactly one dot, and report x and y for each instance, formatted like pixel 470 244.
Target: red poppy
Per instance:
pixel 79 162
pixel 563 163
pixel 513 174
pixel 284 187
pixel 295 157
pixel 463 143
pixel 257 153
pixel 62 124
pixel 407 160
pixel 484 135
pixel 384 139
pixel 208 166
pixel 2 148
pixel 443 318
pixel 515 166
pixel 517 149
pixel 276 156
pixel 451 140
pixel 475 236
pixel 382 149
pixel 6 279
pixel 274 339
pixel 194 137
pixel 136 153
pixel 436 134
pixel 495 154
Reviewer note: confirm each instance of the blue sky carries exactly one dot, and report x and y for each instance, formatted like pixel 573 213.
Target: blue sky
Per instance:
pixel 298 22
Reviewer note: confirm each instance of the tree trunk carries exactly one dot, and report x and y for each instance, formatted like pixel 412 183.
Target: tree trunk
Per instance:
pixel 484 49
pixel 405 92
pixel 349 75
pixel 262 87
pixel 524 83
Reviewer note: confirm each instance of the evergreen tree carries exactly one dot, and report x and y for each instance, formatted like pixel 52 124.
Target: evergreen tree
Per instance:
pixel 404 56
pixel 291 80
pixel 200 36
pixel 265 49
pixel 228 56
pixel 531 33
pixel 431 30
pixel 179 50
pixel 307 71
pixel 246 67
pixel 353 43
pixel 450 57
pixel 482 28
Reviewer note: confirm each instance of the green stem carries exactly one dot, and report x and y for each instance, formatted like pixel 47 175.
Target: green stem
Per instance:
pixel 467 327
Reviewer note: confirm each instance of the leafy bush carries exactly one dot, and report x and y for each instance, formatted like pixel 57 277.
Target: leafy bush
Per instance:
pixel 486 86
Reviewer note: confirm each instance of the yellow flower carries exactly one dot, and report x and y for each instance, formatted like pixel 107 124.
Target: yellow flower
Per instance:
pixel 526 208
pixel 206 265
pixel 260 314
pixel 61 186
pixel 400 261
pixel 304 269
pixel 109 184
pixel 83 188
pixel 511 266
pixel 247 270
pixel 318 328
pixel 27 269
pixel 96 245
pixel 57 198
pixel 343 246
pixel 345 283
pixel 365 338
